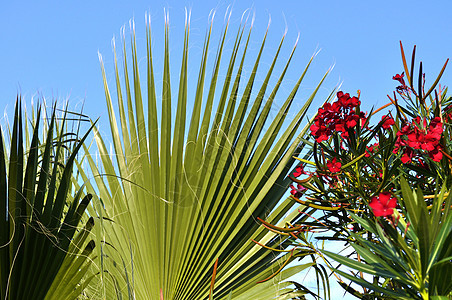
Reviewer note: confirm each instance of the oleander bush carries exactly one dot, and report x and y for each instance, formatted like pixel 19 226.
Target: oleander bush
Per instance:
pixel 383 188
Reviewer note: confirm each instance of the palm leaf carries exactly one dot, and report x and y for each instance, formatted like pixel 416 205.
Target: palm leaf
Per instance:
pixel 187 192
pixel 40 217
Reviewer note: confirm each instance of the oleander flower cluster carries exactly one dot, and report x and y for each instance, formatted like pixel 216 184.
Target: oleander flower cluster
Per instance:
pixel 416 138
pixel 412 143
pixel 339 116
pixel 383 205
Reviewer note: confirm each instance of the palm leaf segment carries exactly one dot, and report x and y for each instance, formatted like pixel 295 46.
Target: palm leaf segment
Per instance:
pixel 188 191
pixel 43 253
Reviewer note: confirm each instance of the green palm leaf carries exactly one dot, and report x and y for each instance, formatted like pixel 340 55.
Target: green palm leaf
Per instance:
pixel 39 216
pixel 186 192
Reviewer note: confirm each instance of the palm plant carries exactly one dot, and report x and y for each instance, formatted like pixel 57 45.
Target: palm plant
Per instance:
pixel 179 204
pixel 43 253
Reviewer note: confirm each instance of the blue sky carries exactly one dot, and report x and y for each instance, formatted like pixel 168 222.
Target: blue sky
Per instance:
pixel 50 48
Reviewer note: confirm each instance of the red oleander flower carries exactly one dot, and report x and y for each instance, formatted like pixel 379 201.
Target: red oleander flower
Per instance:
pixel 403 87
pixel 417 121
pixel 371 149
pixel 416 136
pixel 408 154
pixel 414 139
pixel 354 102
pixel 388 122
pixel 436 128
pixel 436 154
pixel 338 116
pixel 320 131
pixel 399 78
pixel 340 127
pixel 299 170
pixel 351 120
pixel 297 192
pixel 383 205
pixel 333 165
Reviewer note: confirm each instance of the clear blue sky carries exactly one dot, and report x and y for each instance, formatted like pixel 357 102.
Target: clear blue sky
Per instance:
pixel 49 48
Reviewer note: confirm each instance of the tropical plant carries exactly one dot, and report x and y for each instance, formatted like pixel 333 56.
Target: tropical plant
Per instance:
pixel 179 201
pixel 359 186
pixel 43 252
pixel 410 259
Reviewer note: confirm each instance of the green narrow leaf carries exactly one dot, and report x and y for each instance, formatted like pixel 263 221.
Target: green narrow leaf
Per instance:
pixel 4 221
pixel 32 170
pixel 439 243
pixel 410 202
pixel 177 171
pixel 17 202
pixel 44 175
pixel 366 284
pixel 369 269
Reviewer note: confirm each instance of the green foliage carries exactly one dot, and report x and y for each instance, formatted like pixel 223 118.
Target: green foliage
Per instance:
pixel 176 196
pixel 185 205
pixel 43 254
pixel 360 173
pixel 409 261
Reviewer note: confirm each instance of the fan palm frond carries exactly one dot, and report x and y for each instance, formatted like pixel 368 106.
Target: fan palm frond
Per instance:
pixel 183 192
